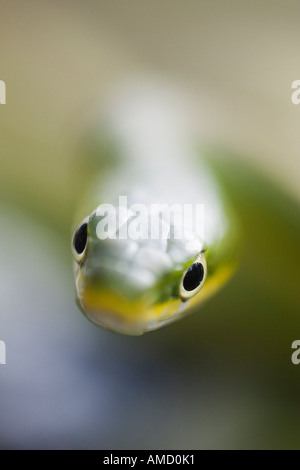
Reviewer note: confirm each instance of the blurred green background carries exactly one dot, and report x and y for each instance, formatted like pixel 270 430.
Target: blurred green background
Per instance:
pixel 223 377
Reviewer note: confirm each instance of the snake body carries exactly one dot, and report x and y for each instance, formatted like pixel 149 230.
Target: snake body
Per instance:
pixel 148 157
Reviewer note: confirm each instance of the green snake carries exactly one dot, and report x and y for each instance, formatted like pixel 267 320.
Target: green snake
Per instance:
pixel 147 153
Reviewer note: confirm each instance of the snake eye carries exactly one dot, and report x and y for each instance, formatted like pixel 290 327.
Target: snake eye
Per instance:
pixel 193 279
pixel 79 241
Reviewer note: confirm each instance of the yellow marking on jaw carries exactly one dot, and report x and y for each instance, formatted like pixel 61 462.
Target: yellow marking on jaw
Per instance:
pixel 110 310
pixel 124 310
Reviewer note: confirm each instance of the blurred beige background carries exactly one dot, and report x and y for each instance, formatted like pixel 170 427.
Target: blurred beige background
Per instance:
pixel 236 59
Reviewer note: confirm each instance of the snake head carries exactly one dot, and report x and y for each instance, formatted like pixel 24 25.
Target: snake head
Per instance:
pixel 136 283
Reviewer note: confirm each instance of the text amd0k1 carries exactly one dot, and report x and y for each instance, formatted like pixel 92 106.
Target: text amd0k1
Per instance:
pixel 155 459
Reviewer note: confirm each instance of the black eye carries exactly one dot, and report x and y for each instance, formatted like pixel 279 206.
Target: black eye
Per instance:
pixel 193 277
pixel 80 238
